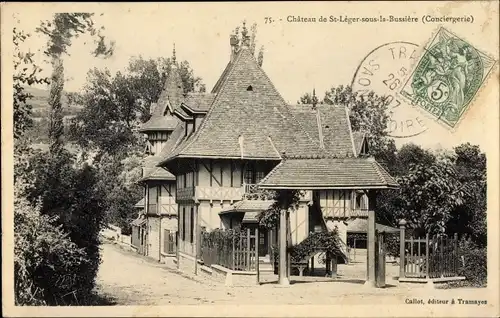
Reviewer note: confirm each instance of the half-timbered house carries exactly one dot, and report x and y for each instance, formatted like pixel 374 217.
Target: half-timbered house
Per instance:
pixel 157 226
pixel 242 137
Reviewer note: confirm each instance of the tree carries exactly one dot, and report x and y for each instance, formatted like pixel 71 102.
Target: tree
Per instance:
pixel 428 195
pixel 406 158
pixel 114 105
pixel 67 193
pixel 470 217
pixel 60 32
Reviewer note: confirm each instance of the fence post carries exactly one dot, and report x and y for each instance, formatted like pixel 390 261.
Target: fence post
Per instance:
pixel 427 269
pixel 257 263
pixel 455 254
pixel 402 225
pixel 232 255
pixel 441 256
pixel 247 267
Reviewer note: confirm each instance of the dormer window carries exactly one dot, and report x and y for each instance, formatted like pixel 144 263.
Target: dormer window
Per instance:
pixel 249 88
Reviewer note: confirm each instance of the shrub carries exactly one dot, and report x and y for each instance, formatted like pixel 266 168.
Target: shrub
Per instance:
pixel 474 266
pixel 46 262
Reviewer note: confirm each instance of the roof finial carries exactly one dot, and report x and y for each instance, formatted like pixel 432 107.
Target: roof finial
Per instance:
pixel 244 32
pixel 245 38
pixel 314 99
pixel 173 55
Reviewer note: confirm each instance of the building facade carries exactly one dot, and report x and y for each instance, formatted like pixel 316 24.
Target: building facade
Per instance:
pixel 243 137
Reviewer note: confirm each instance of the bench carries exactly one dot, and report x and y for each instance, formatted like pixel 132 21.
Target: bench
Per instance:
pixel 300 265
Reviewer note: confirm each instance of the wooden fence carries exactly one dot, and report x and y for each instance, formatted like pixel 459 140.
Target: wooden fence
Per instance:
pixel 235 250
pixel 430 257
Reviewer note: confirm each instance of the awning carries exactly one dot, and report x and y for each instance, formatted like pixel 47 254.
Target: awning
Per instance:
pixel 140 204
pixel 250 217
pixel 138 222
pixel 248 206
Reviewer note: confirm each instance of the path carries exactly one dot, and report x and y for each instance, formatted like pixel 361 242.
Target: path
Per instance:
pixel 131 279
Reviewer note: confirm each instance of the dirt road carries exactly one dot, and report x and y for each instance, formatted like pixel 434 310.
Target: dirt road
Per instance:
pixel 131 279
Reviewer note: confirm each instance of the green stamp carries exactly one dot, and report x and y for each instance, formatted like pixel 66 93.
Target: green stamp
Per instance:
pixel 448 75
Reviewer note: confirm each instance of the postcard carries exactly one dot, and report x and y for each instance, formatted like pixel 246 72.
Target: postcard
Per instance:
pixel 250 159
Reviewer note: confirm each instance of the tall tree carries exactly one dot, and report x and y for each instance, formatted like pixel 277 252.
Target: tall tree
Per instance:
pixel 61 30
pixel 67 192
pixel 470 217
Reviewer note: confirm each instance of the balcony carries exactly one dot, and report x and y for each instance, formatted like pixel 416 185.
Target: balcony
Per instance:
pixel 218 193
pixel 183 194
pixel 252 192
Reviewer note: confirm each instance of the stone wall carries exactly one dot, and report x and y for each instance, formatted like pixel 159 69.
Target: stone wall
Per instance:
pixel 186 263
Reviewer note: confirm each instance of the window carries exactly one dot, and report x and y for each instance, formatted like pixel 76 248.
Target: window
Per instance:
pixel 252 175
pixel 152 199
pixel 189 179
pixel 259 175
pixel 360 201
pixel 249 175
pixel 250 88
pixel 181 181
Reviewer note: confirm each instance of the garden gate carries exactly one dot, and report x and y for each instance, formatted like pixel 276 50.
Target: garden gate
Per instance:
pixel 429 257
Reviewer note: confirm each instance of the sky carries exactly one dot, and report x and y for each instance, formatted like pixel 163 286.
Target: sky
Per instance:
pixel 298 56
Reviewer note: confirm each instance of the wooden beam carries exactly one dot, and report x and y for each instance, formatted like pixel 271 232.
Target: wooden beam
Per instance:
pixel 370 262
pixel 283 279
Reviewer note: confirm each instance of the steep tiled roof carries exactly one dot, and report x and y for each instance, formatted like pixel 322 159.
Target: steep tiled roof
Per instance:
pixel 329 125
pixel 330 173
pixel 360 225
pixel 248 119
pixel 158 123
pixel 153 172
pixel 199 101
pixel 170 97
pixel 222 78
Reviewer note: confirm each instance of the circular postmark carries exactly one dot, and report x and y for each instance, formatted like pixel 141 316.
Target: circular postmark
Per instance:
pixel 383 71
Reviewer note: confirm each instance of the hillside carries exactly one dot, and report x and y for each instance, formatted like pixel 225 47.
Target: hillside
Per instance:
pixel 40 105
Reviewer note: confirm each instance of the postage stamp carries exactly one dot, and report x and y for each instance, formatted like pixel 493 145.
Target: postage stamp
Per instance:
pixel 382 71
pixel 447 77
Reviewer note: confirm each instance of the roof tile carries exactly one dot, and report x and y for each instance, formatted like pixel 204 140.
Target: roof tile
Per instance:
pixel 329 173
pixel 258 120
